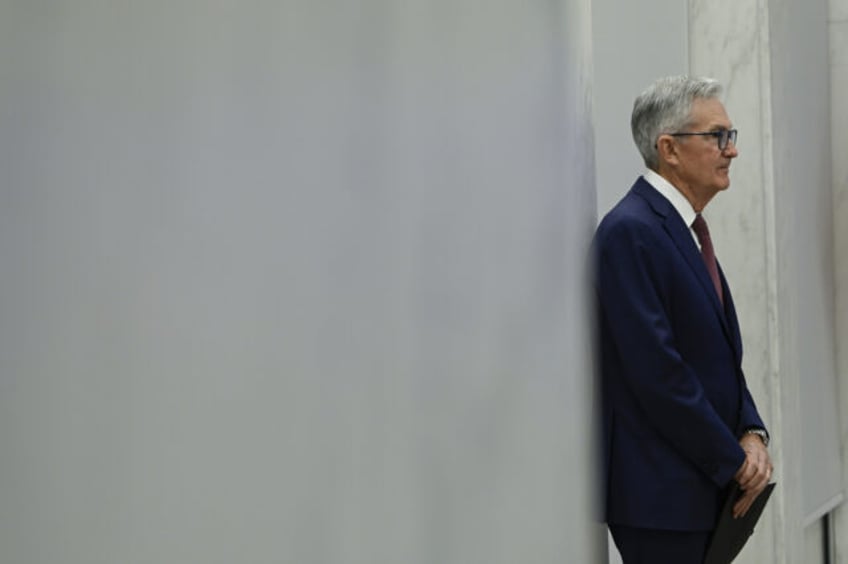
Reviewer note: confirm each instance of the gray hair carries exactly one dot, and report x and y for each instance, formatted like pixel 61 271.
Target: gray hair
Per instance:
pixel 666 107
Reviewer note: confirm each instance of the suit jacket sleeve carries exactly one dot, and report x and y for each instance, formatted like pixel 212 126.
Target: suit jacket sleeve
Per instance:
pixel 748 416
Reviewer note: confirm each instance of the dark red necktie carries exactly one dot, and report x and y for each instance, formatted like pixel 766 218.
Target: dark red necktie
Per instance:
pixel 707 252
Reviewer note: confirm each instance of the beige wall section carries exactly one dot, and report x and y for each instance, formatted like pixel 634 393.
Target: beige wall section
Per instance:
pixel 838 34
pixel 813 544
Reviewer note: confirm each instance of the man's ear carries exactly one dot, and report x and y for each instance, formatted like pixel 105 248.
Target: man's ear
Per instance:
pixel 667 149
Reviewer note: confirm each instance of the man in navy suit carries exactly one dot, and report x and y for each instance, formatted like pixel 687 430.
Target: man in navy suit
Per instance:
pixel 678 421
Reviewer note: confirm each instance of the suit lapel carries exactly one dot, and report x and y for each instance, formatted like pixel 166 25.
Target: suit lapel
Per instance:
pixel 730 313
pixel 679 232
pixel 682 238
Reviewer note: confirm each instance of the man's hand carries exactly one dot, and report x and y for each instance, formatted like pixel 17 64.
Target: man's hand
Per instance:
pixel 754 474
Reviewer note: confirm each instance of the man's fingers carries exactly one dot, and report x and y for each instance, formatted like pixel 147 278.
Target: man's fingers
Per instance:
pixel 749 476
pixel 742 506
pixel 755 475
pixel 757 483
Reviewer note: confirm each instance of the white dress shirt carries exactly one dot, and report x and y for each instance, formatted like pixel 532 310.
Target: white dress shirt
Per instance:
pixel 675 198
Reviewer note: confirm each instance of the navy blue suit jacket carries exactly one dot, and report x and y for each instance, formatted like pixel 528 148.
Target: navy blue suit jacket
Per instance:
pixel 674 398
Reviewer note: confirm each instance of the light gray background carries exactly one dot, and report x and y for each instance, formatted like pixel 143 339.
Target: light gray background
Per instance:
pixel 294 282
pixel 633 44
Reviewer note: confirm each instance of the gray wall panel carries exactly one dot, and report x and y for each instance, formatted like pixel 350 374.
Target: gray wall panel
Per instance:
pixel 294 282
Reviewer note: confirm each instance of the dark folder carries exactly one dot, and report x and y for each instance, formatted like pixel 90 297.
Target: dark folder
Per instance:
pixel 730 534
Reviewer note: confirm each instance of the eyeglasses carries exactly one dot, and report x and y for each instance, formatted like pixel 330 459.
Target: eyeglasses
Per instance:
pixel 723 136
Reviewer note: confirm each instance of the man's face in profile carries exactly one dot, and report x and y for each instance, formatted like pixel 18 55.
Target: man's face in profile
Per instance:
pixel 703 166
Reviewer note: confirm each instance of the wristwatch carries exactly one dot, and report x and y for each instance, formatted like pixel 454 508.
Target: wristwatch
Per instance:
pixel 762 433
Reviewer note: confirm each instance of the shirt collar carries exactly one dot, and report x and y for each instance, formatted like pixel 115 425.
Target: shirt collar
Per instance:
pixel 673 195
